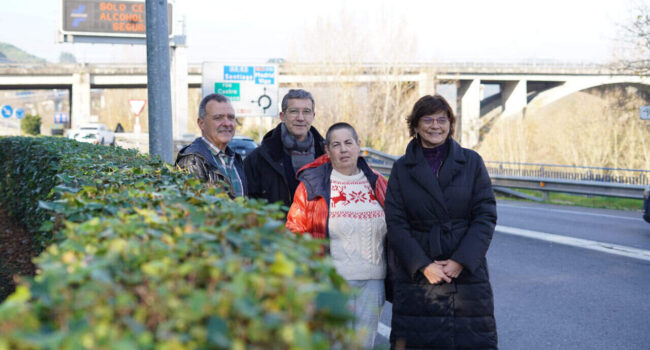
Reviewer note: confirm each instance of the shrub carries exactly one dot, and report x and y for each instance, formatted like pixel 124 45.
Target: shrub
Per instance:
pixel 31 125
pixel 142 256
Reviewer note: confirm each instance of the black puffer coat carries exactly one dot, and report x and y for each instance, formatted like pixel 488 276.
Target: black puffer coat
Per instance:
pixel 449 217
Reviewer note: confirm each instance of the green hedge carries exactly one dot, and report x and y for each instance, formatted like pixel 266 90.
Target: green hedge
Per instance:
pixel 141 256
pixel 28 170
pixel 31 125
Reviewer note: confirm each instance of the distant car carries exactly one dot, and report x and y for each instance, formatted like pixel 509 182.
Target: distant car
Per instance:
pixel 93 133
pixel 646 204
pixel 242 145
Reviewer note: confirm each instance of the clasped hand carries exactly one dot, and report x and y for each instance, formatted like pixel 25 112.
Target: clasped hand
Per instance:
pixel 443 270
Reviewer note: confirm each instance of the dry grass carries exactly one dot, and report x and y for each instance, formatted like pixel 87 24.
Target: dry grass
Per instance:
pixel 597 127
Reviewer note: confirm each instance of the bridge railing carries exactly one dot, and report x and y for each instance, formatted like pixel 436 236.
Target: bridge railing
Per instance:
pixel 600 181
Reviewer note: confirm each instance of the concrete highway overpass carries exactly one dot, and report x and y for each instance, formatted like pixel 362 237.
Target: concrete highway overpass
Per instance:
pixel 520 85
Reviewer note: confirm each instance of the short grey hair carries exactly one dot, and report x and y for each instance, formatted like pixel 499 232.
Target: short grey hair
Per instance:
pixel 295 94
pixel 338 126
pixel 208 98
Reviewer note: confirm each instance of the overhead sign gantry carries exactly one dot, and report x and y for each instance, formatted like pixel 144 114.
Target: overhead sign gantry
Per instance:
pixel 105 21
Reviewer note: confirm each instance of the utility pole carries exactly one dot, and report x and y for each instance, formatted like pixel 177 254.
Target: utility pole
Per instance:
pixel 158 82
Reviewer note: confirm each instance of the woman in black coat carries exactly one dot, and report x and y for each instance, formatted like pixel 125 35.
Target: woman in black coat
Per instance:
pixel 441 214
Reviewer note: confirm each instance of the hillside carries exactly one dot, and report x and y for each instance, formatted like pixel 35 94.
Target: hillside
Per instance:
pixel 597 127
pixel 10 53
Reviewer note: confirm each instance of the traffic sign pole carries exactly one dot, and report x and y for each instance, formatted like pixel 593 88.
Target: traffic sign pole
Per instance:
pixel 158 81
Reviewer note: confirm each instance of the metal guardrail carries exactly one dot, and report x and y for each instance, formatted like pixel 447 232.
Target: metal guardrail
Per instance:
pixel 611 182
pixel 570 172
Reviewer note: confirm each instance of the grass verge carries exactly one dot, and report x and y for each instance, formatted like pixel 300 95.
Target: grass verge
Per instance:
pixel 581 200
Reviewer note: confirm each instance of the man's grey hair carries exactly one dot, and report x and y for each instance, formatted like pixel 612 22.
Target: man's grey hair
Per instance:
pixel 297 94
pixel 208 98
pixel 338 126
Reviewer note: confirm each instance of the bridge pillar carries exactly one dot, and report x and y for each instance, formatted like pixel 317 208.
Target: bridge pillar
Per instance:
pixel 80 102
pixel 514 96
pixel 469 94
pixel 179 91
pixel 426 84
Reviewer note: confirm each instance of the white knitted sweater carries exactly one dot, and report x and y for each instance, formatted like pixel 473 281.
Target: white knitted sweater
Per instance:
pixel 357 227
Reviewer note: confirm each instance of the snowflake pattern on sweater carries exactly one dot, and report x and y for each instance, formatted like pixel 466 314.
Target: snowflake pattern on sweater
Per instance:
pixel 357 228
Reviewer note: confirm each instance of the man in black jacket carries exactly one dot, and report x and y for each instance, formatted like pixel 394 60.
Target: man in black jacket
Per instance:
pixel 271 168
pixel 208 157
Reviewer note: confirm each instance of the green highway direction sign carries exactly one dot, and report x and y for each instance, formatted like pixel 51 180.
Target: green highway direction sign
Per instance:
pixel 230 90
pixel 251 88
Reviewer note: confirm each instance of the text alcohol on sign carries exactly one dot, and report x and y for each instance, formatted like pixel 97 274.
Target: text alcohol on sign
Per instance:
pixel 107 18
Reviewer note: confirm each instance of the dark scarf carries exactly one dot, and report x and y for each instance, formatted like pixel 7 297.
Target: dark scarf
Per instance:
pixel 301 152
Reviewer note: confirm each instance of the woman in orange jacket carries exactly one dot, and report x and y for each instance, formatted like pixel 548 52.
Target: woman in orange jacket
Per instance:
pixel 340 198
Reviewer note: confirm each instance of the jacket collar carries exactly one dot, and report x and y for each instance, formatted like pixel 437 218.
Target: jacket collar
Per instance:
pixel 198 146
pixel 422 174
pixel 272 141
pixel 453 164
pixel 316 176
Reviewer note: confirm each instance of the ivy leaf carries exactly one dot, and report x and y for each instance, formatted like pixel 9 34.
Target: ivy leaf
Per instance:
pixel 282 266
pixel 333 304
pixel 218 332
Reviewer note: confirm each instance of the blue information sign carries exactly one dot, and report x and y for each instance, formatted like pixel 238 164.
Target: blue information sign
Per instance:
pixel 265 75
pixel 242 73
pixel 20 113
pixel 7 111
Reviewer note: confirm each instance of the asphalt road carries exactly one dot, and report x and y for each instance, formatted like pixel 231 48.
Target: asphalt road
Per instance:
pixel 554 296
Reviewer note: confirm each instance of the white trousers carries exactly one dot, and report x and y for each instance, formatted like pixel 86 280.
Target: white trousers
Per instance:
pixel 366 305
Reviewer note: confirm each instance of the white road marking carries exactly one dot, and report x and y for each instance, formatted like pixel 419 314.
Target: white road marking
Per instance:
pixel 570 212
pixel 610 248
pixel 383 330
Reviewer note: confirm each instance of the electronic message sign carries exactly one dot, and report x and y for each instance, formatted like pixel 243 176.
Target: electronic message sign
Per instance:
pixel 107 18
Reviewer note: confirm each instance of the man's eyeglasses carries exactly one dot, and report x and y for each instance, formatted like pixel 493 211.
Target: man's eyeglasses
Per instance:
pixel 295 111
pixel 431 120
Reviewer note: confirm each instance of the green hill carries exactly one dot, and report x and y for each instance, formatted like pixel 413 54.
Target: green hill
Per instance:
pixel 10 53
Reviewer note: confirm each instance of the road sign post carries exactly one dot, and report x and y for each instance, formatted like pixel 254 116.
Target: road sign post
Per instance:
pixel 7 111
pixel 159 92
pixel 137 106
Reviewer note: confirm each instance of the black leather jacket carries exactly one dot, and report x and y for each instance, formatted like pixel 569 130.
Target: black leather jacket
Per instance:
pixel 198 160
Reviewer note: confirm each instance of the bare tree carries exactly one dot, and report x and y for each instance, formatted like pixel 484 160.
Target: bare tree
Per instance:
pixel 597 127
pixel 334 55
pixel 635 35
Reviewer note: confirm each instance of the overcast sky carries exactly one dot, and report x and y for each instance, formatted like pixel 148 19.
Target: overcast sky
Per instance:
pixel 254 31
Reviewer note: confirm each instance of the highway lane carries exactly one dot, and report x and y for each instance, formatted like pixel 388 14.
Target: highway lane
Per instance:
pixel 554 296
pixel 604 225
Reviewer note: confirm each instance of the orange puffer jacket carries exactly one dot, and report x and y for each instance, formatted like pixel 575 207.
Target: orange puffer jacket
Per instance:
pixel 310 209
